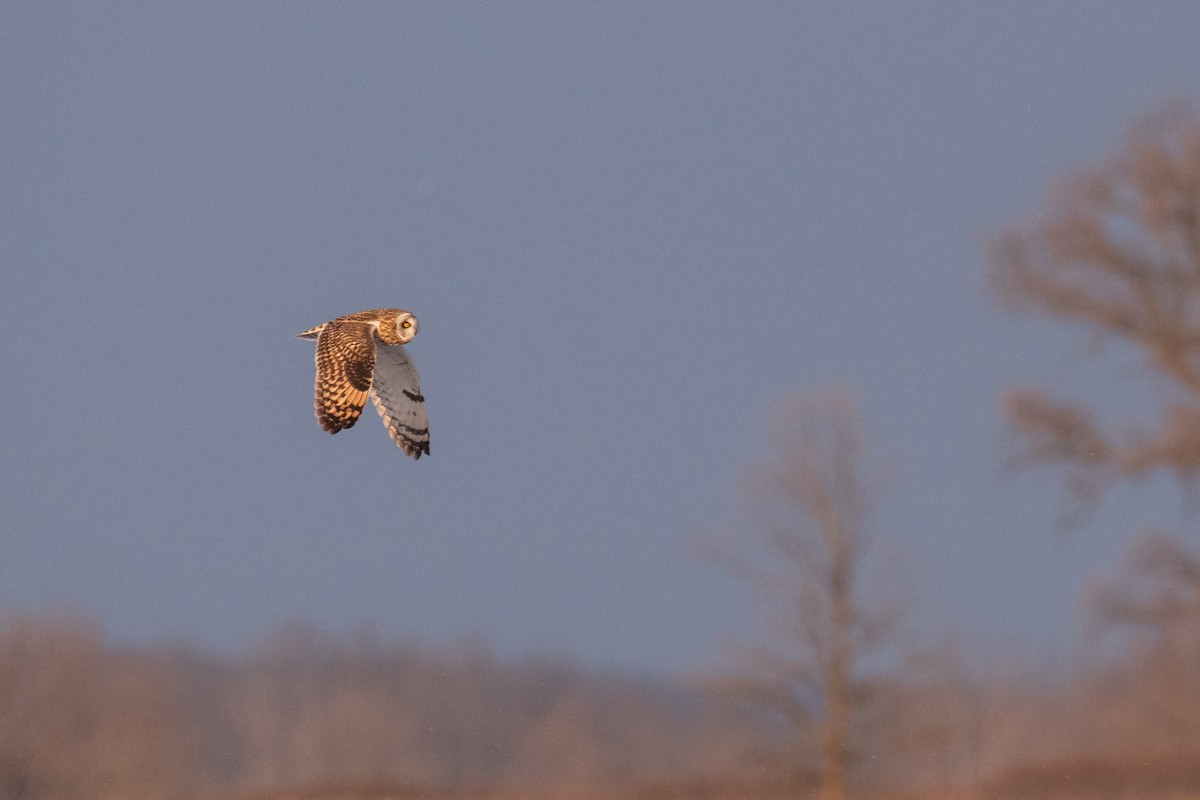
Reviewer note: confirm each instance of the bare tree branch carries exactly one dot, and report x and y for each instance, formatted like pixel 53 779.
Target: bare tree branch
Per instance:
pixel 1116 250
pixel 1159 585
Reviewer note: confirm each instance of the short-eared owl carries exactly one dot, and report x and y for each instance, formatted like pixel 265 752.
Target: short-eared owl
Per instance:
pixel 361 354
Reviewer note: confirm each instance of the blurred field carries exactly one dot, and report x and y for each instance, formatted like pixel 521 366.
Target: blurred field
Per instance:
pixel 681 790
pixel 1080 779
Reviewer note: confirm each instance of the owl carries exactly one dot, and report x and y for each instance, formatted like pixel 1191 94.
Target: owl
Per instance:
pixel 361 354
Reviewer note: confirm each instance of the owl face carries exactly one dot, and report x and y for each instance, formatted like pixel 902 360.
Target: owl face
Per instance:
pixel 406 327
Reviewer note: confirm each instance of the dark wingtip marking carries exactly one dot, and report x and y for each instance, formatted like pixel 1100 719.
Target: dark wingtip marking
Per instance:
pixel 412 447
pixel 332 425
pixel 415 397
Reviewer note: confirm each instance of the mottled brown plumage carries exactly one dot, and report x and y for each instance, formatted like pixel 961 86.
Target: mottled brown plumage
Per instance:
pixel 362 354
pixel 345 366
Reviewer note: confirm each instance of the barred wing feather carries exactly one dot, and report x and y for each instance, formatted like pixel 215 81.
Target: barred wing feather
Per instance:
pixel 396 392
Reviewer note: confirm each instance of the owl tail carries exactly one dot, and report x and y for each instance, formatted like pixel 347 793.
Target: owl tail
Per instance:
pixel 312 333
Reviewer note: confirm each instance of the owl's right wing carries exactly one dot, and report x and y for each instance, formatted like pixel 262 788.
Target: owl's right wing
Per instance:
pixel 345 365
pixel 397 396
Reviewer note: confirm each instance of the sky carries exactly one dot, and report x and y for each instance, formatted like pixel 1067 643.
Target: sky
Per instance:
pixel 628 231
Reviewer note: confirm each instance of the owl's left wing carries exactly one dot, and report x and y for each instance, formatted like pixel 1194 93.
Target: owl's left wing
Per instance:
pixel 396 392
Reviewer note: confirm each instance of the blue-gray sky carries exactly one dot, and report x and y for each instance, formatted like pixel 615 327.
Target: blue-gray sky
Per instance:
pixel 627 229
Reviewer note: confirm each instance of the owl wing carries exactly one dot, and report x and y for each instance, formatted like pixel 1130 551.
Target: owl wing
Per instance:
pixel 345 364
pixel 398 398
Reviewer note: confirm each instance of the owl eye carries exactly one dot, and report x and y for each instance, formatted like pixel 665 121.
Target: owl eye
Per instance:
pixel 406 324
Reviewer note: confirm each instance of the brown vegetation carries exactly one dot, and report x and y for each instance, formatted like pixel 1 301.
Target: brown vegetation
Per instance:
pixel 365 720
pixel 81 719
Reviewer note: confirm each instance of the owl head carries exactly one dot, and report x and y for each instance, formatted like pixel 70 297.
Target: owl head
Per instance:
pixel 406 327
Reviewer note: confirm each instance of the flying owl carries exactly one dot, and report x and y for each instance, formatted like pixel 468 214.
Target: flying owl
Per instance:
pixel 361 354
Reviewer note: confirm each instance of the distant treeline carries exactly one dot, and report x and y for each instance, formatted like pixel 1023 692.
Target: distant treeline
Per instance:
pixel 81 718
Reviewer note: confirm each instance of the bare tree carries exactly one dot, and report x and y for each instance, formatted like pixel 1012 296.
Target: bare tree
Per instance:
pixel 1116 250
pixel 828 628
